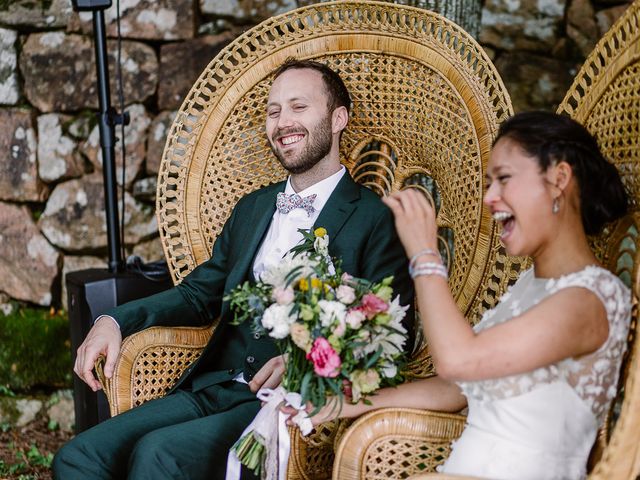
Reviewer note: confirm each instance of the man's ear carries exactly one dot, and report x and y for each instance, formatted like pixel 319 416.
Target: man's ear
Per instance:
pixel 339 119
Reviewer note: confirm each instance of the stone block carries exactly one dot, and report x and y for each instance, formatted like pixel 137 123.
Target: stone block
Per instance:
pixel 18 167
pixel 60 409
pixel 156 140
pixel 182 63
pixel 581 25
pixel 150 251
pixel 535 82
pixel 29 265
pixel 135 136
pixel 144 19
pixel 58 157
pixel 607 17
pixel 257 10
pixel 522 24
pixel 145 189
pixel 74 218
pixel 9 93
pixel 73 263
pixel 60 74
pixel 40 14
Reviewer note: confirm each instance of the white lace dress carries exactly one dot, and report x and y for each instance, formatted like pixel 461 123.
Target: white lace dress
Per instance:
pixel 542 424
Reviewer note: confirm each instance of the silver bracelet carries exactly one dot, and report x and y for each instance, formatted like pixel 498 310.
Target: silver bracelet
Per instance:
pixel 429 268
pixel 425 251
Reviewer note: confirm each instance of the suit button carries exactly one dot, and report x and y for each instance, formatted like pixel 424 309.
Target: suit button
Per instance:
pixel 230 371
pixel 250 359
pixel 257 335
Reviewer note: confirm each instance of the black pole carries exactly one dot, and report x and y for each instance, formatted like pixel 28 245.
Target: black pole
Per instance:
pixel 106 122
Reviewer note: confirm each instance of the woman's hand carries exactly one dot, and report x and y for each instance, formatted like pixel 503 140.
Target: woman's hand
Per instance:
pixel 330 411
pixel 415 220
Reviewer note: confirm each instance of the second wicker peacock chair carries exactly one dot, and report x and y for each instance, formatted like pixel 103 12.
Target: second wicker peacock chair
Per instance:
pixel 426 104
pixel 605 97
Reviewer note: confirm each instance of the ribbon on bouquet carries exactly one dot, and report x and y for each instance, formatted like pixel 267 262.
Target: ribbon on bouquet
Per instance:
pixel 269 428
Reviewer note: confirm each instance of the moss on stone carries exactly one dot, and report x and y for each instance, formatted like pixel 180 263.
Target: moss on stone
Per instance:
pixel 34 350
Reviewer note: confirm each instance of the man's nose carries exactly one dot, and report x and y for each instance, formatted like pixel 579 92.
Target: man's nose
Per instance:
pixel 285 119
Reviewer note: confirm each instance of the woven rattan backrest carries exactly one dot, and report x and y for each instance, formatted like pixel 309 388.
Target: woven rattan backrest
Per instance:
pixel 605 97
pixel 427 103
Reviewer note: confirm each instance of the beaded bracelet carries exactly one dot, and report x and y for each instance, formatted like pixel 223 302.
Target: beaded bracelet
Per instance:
pixel 429 268
pixel 425 251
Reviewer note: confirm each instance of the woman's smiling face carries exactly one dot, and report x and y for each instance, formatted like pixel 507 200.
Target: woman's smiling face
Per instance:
pixel 520 199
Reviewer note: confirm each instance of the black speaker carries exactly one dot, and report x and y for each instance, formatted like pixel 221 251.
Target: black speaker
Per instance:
pixel 91 293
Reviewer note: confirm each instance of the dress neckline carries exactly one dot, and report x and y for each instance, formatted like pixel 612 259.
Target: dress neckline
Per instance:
pixel 582 270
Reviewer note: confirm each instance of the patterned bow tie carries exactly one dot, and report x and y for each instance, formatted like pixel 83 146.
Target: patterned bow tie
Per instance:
pixel 285 203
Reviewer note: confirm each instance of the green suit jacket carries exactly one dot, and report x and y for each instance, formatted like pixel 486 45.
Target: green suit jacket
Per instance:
pixel 361 233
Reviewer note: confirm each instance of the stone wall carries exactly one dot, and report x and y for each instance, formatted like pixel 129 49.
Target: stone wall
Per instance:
pixel 51 197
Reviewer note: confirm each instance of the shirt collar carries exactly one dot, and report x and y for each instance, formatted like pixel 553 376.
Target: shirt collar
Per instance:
pixel 323 189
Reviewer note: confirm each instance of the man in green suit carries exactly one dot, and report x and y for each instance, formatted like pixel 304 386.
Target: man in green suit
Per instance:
pixel 187 434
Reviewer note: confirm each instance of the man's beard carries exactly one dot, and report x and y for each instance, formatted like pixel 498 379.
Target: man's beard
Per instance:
pixel 318 146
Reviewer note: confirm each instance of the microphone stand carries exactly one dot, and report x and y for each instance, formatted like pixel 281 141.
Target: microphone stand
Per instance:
pixel 108 118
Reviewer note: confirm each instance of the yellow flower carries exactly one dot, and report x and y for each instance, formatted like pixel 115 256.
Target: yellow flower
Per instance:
pixel 304 284
pixel 320 232
pixel 316 283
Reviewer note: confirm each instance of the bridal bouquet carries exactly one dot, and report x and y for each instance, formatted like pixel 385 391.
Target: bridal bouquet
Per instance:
pixel 341 336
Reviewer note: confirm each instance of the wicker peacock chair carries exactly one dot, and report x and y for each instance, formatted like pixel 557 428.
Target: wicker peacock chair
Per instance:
pixel 427 103
pixel 605 97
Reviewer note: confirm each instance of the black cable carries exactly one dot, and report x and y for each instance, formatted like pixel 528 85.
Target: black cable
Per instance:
pixel 121 102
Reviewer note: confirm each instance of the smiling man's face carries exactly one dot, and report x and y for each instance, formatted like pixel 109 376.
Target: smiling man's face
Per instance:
pixel 299 124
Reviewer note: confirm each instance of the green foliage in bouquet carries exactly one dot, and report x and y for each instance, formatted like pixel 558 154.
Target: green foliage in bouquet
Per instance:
pixel 342 336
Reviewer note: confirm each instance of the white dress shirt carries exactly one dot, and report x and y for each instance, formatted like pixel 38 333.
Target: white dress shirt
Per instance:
pixel 283 233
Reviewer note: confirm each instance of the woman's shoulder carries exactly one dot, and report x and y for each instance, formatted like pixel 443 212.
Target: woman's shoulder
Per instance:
pixel 612 292
pixel 595 278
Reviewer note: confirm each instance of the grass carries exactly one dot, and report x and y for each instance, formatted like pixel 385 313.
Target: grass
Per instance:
pixel 35 349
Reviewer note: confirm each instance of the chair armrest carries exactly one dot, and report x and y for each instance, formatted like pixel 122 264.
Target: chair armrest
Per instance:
pixel 441 476
pixel 396 443
pixel 149 364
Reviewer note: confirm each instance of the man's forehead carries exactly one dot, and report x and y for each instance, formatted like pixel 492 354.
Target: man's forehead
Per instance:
pixel 298 83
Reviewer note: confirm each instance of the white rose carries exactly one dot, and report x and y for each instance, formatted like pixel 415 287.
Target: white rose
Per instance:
pixel 278 320
pixel 330 311
pixel 346 294
pixel 277 275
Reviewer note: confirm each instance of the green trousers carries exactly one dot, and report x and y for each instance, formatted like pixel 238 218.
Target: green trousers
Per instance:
pixel 184 435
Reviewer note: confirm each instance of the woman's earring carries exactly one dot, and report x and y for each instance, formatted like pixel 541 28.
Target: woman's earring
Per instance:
pixel 555 207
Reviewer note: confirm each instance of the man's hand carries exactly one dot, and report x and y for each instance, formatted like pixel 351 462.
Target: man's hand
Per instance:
pixel 104 338
pixel 269 376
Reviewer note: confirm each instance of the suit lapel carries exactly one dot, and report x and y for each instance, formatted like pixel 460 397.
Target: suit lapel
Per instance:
pixel 335 213
pixel 339 207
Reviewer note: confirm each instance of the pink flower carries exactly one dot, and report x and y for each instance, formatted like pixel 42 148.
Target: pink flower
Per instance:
pixel 346 278
pixel 373 305
pixel 346 294
pixel 326 362
pixel 283 296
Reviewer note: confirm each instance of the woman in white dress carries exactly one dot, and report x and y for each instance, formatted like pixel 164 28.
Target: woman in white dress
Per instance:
pixel 539 371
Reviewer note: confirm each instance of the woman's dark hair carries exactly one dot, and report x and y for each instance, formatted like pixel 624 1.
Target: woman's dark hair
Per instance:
pixel 338 94
pixel 552 138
